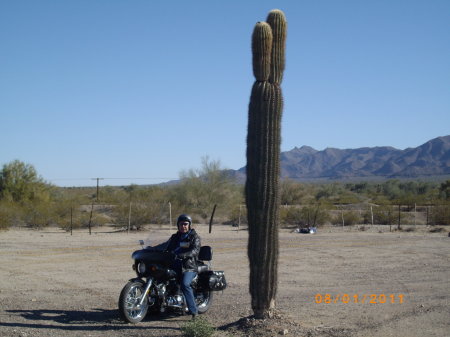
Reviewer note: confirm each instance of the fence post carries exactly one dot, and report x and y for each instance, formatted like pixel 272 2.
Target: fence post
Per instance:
pixel 389 219
pixel 170 215
pixel 90 218
pixel 431 215
pixel 129 219
pixel 371 213
pixel 212 217
pixel 239 219
pixel 415 213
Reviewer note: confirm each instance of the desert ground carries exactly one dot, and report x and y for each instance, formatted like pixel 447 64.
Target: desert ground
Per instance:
pixel 56 284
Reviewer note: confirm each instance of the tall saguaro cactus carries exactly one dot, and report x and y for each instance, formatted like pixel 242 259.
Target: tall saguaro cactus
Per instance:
pixel 263 160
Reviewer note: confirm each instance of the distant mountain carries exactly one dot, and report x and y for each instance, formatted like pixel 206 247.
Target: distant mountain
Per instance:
pixel 306 163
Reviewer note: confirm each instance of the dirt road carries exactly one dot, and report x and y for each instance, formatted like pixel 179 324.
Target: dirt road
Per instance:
pixel 368 283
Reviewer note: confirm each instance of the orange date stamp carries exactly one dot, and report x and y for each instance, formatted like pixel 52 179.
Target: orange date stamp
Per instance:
pixel 359 299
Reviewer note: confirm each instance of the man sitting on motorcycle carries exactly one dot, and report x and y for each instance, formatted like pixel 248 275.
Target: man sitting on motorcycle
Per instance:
pixel 185 243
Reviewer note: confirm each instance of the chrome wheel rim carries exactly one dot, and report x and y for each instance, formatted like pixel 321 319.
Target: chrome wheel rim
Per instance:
pixel 132 307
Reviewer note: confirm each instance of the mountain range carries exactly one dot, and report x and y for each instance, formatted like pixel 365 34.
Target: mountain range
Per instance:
pixel 431 159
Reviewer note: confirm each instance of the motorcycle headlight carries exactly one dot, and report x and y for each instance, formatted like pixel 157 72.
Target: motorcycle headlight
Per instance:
pixel 141 268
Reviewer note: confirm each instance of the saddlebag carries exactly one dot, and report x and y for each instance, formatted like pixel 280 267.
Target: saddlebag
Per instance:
pixel 213 280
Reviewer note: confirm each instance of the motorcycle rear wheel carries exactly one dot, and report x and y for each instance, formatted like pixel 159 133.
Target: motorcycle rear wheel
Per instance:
pixel 203 301
pixel 129 299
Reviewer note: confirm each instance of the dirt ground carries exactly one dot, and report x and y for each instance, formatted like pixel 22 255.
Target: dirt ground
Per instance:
pixel 56 284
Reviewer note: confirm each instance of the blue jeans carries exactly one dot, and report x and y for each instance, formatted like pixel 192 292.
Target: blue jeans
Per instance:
pixel 186 288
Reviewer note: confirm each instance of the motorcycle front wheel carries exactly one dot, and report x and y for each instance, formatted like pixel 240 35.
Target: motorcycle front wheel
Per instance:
pixel 130 296
pixel 203 300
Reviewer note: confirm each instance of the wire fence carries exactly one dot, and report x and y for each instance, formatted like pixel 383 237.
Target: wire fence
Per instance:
pixel 131 215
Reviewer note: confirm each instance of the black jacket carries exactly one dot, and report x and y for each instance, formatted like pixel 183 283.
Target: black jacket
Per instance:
pixel 189 253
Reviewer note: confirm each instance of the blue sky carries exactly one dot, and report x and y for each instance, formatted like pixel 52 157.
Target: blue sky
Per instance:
pixel 145 89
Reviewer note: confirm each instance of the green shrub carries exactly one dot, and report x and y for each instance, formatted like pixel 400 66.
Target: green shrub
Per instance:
pixel 350 218
pixel 198 327
pixel 313 215
pixel 236 213
pixel 441 215
pixel 291 215
pixel 384 215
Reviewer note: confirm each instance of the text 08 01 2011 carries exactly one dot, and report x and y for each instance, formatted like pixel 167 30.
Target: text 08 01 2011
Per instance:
pixel 361 299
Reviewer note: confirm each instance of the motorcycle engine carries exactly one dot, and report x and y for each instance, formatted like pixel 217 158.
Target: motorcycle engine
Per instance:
pixel 174 301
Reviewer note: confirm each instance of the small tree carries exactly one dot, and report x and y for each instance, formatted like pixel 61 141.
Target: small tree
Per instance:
pixel 201 189
pixel 444 190
pixel 20 182
pixel 24 197
pixel 291 192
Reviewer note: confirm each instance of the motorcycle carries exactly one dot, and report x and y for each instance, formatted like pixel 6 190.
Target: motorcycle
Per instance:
pixel 156 288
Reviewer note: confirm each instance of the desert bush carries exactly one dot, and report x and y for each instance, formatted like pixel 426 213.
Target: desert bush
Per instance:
pixel 149 204
pixel 291 192
pixel 444 190
pixel 199 190
pixel 350 218
pixel 20 182
pixel 141 213
pixel 312 215
pixel 441 215
pixel 384 215
pixel 9 214
pixel 38 214
pixel 35 214
pixel 366 217
pixel 291 215
pixel 235 213
pixel 198 327
pixel 100 219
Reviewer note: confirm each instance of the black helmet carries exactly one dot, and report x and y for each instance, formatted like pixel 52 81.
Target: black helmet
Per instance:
pixel 183 218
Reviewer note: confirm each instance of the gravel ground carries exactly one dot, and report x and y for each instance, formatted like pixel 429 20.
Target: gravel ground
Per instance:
pixel 56 284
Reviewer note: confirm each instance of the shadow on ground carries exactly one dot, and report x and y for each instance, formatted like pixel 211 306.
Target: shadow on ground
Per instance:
pixel 96 319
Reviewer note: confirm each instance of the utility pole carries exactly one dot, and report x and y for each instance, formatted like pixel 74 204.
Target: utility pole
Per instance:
pixel 97 196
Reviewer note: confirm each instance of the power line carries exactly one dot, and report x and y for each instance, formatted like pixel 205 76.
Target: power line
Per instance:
pixel 128 178
pixel 119 180
pixel 142 178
